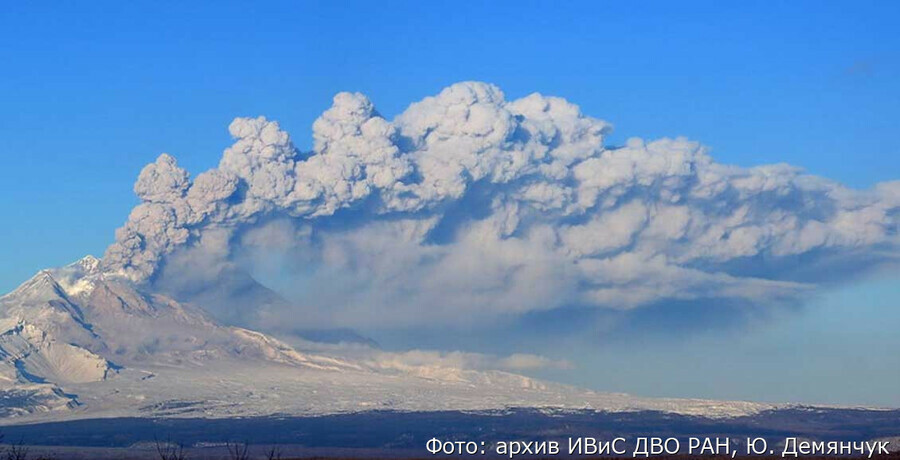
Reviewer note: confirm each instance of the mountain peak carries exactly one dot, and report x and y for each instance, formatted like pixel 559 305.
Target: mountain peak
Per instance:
pixel 41 286
pixel 79 277
pixel 88 264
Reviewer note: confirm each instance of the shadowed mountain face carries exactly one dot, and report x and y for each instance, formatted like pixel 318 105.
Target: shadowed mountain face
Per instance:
pixel 79 343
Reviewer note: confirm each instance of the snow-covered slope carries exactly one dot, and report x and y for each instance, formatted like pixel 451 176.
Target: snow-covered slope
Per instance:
pixel 78 343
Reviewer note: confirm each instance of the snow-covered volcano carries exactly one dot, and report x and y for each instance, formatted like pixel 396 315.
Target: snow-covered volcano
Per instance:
pixel 77 342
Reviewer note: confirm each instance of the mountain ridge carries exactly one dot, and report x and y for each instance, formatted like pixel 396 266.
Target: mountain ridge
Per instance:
pixel 77 342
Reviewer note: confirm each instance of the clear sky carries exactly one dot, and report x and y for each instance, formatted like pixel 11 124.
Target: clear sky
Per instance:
pixel 91 92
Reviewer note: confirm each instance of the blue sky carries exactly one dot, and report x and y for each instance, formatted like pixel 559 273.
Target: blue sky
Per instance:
pixel 93 92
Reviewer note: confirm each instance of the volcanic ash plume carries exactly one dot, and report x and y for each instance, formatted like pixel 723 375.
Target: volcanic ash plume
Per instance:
pixel 468 201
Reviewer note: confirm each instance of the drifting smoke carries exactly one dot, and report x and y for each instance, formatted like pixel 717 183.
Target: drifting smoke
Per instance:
pixel 470 204
pixel 419 361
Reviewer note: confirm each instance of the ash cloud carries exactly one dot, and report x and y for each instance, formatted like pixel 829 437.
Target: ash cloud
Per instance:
pixel 468 204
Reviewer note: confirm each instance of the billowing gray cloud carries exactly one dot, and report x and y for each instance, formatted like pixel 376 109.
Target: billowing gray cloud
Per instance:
pixel 468 204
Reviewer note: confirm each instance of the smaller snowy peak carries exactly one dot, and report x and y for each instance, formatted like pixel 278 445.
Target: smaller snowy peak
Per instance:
pixel 88 264
pixel 44 302
pixel 71 280
pixel 41 287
